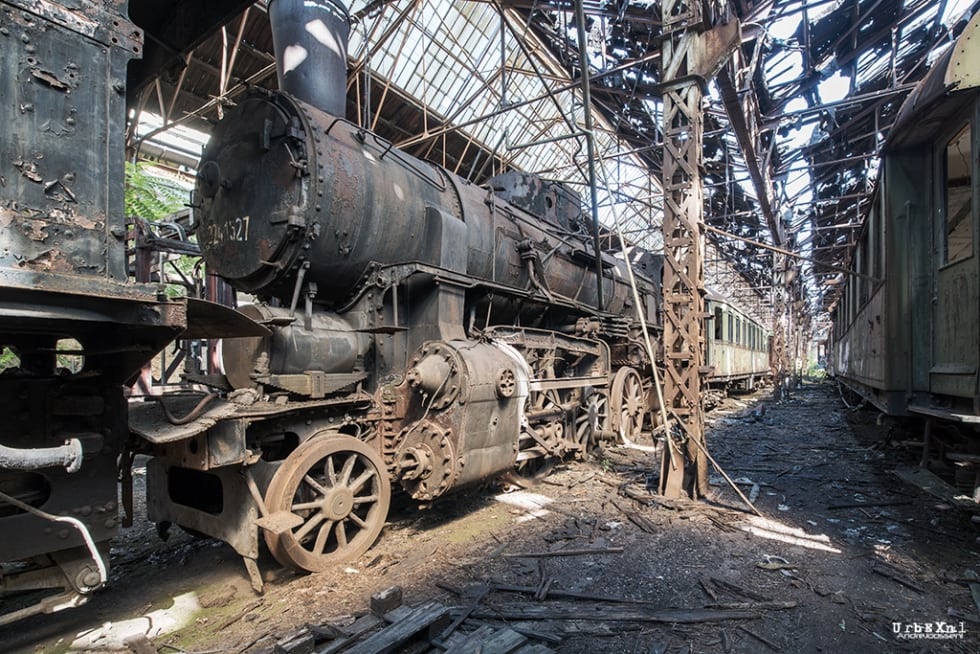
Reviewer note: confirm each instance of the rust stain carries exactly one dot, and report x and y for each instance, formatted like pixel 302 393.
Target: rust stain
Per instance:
pixel 34 229
pixel 52 260
pixel 86 223
pixel 28 170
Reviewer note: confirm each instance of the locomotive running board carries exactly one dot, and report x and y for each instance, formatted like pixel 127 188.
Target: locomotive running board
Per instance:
pixel 210 320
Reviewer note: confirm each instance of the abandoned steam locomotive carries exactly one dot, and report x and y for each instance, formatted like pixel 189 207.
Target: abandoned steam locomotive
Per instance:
pixel 423 332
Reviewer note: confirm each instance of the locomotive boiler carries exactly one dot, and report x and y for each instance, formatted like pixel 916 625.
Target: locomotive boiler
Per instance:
pixel 425 333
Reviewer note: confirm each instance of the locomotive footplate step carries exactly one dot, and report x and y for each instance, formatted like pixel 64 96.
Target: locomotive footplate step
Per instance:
pixel 279 522
pixel 936 487
pixel 944 414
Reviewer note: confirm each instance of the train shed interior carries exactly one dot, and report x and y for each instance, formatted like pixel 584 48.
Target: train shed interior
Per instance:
pixel 741 140
pixel 794 121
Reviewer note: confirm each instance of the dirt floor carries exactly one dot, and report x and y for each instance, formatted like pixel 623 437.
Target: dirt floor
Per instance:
pixel 846 557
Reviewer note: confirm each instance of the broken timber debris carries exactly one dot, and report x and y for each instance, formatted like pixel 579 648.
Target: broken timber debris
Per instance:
pixel 386 600
pixel 885 570
pixel 421 628
pixel 569 552
pixel 616 613
pixel 861 505
pixel 410 624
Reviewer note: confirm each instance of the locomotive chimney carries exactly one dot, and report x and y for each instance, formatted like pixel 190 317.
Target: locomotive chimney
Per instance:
pixel 310 39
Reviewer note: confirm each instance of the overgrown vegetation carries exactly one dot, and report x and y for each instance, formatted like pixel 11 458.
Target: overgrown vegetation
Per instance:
pixel 153 198
pixel 149 196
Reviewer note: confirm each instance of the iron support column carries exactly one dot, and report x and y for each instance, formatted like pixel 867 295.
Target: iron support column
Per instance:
pixel 684 467
pixel 590 145
pixel 779 327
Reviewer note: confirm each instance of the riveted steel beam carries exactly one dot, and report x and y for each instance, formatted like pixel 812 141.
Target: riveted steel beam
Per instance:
pixel 684 469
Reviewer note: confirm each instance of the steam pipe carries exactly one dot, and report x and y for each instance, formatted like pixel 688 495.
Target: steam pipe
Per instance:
pixel 68 456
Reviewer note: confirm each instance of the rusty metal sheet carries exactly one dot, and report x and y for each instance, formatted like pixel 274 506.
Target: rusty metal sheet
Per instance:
pixel 211 320
pixel 148 421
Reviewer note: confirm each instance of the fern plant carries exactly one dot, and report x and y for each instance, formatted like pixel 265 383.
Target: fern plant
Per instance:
pixel 150 197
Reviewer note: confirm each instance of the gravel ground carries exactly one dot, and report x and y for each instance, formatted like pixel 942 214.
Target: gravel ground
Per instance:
pixel 843 555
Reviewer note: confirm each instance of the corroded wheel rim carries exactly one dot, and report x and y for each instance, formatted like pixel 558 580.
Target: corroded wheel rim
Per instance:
pixel 628 405
pixel 338 486
pixel 590 420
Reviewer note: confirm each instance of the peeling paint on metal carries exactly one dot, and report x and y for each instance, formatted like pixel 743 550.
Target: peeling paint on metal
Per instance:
pixel 52 260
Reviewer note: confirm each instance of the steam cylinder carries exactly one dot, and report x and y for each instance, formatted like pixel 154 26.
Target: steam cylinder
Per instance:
pixel 330 346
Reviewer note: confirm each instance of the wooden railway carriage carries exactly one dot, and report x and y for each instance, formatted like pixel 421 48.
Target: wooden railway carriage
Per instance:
pixel 906 330
pixel 737 349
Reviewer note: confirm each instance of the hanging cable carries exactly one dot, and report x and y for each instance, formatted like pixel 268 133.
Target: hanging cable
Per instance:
pixel 74 522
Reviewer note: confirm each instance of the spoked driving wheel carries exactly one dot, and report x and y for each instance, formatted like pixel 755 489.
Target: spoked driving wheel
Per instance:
pixel 533 463
pixel 590 420
pixel 338 489
pixel 628 407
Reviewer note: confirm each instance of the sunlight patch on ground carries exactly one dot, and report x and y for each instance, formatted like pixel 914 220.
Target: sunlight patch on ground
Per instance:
pixel 532 503
pixel 113 635
pixel 773 530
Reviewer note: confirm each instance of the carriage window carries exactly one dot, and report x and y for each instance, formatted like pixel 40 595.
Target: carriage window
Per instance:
pixel 738 330
pixel 719 326
pixel 731 327
pixel 958 197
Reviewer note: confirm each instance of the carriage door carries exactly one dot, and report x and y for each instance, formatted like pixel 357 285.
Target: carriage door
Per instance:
pixel 956 337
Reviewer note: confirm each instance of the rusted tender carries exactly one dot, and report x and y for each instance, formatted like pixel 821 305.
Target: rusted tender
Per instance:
pixel 72 327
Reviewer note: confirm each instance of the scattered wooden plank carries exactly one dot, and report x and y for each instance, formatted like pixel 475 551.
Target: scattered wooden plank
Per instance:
pixel 418 619
pixel 535 649
pixel 351 633
pixel 961 615
pixel 731 586
pixel 726 642
pixel 859 505
pixel 708 588
pixel 933 485
pixel 569 552
pixel 754 606
pixel 885 570
pixel 386 600
pixel 645 524
pixel 466 644
pixel 503 641
pixel 537 634
pixel 567 594
pixel 467 610
pixel 975 593
pixel 759 638
pixel 616 613
pixel 299 641
pixel 541 593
